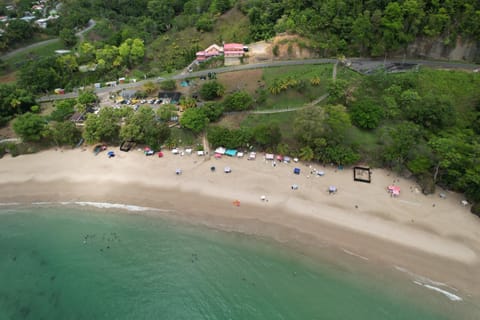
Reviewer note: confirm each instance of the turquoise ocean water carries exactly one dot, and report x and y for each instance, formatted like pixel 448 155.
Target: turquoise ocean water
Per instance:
pixel 85 263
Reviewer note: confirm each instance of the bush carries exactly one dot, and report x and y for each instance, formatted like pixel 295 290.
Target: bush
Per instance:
pixel 168 85
pixel 238 101
pixel 212 90
pixel 476 209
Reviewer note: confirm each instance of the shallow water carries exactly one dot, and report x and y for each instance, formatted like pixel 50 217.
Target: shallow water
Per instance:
pixel 86 263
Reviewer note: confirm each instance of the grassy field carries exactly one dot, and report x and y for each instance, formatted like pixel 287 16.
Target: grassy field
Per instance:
pixel 292 98
pixel 284 120
pixel 462 87
pixel 183 137
pixel 304 72
pixel 16 61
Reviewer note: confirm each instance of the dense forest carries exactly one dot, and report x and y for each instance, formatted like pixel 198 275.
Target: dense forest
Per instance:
pixel 424 123
pixel 146 36
pixel 335 26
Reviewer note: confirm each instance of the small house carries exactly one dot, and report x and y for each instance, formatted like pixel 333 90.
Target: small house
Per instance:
pixel 233 50
pixel 212 51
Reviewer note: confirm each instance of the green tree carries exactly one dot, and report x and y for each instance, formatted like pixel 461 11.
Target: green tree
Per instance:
pixel 337 91
pixel 40 75
pixel 162 12
pixel 109 57
pixel 220 6
pixel 143 127
pixel 392 23
pixel 205 23
pixel 64 109
pixel 150 87
pixel 399 141
pixel 132 51
pixel 341 154
pixel 212 90
pixel 14 100
pixel 30 127
pixel 168 85
pixel 434 112
pixel 87 99
pixel 362 33
pixel 267 135
pixel 213 110
pixel 306 154
pixel 238 101
pixel 337 122
pixel 194 119
pixel 187 103
pixel 68 37
pixel 18 30
pixel 366 114
pixel 64 133
pixel 103 127
pixel 308 125
pixel 166 112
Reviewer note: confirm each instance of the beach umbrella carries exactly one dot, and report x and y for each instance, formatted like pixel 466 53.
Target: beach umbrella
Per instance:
pixel 227 170
pixel 332 189
pixel 212 169
pixel 296 170
pixel 111 154
pixel 178 172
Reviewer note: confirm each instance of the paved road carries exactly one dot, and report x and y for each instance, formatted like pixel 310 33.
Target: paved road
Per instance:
pixel 370 63
pixel 79 34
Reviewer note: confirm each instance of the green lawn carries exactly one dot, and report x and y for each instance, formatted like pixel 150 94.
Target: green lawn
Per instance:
pixel 304 72
pixel 283 119
pixel 292 98
pixel 184 137
pixel 15 62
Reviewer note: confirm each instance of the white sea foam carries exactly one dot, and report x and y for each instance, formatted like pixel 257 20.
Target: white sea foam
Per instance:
pixel 354 254
pixel 430 284
pixel 107 205
pixel 449 295
pixel 9 204
pixel 101 205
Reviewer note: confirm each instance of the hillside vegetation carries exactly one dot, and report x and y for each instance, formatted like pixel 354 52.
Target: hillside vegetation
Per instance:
pixel 424 123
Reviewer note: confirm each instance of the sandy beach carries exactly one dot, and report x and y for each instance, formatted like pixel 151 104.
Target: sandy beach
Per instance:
pixel 423 235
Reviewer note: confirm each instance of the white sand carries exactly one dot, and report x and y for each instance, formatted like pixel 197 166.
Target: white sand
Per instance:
pixel 425 234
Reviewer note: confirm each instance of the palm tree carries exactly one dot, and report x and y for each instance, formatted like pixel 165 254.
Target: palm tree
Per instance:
pixel 315 81
pixel 275 88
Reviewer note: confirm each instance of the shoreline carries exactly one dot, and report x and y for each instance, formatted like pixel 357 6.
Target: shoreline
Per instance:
pixel 436 242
